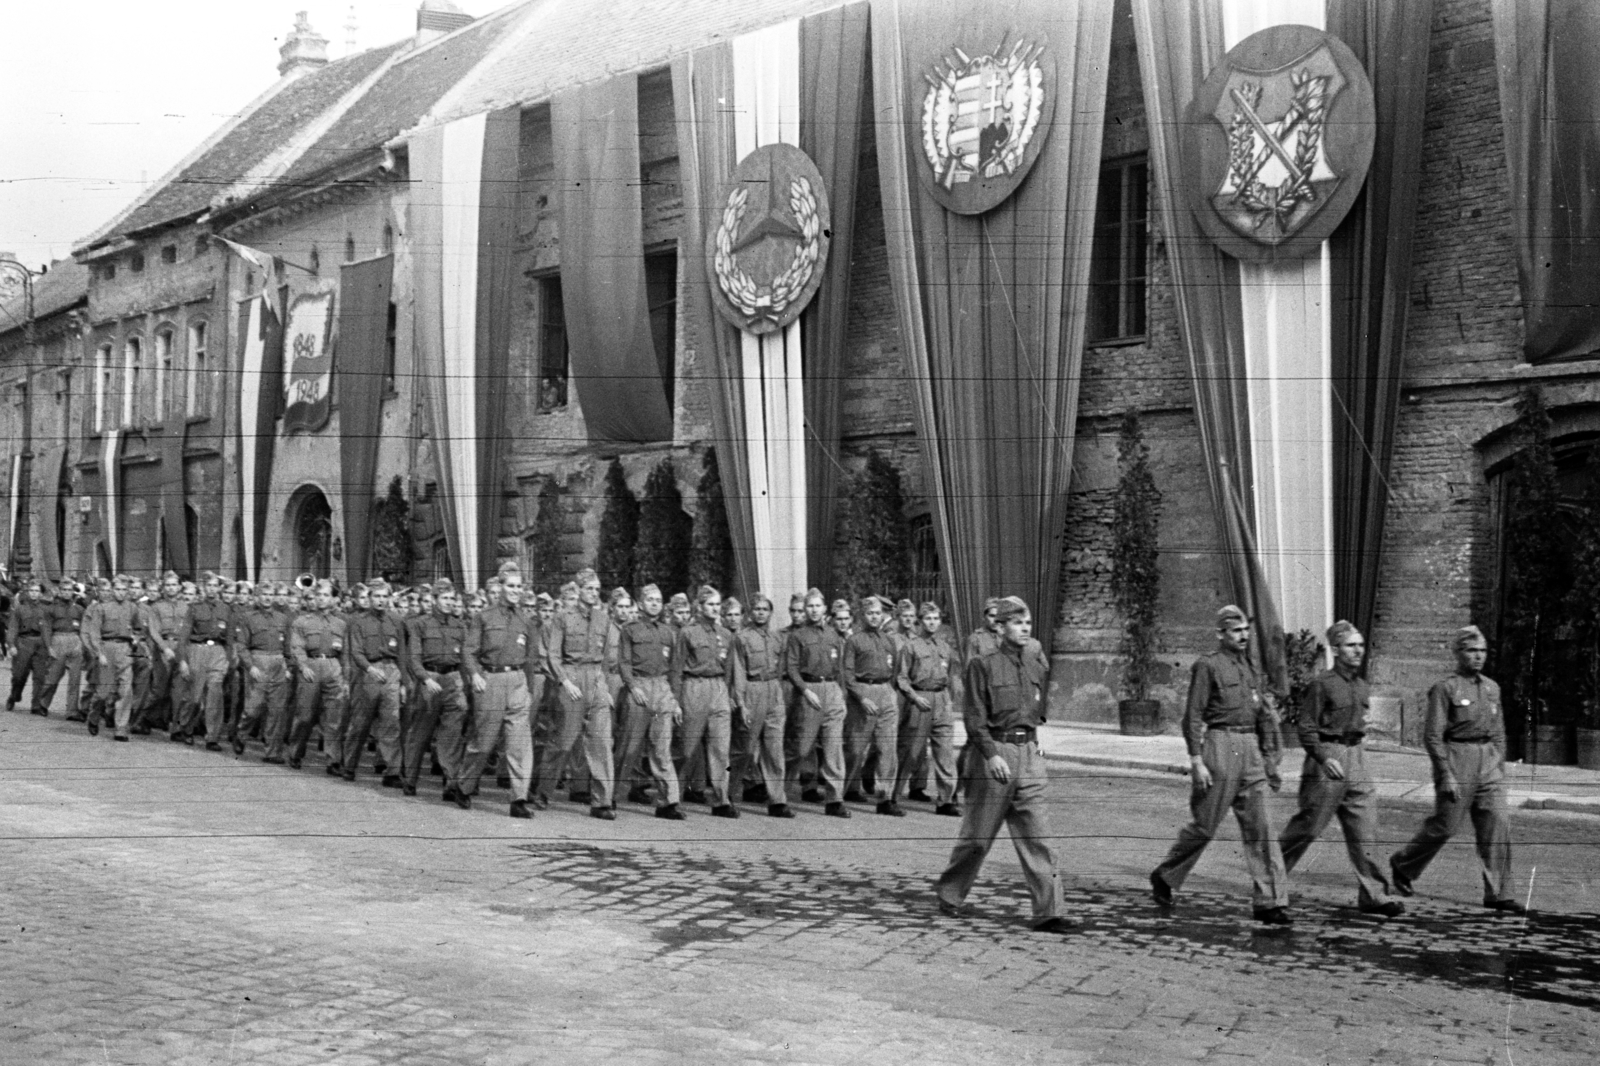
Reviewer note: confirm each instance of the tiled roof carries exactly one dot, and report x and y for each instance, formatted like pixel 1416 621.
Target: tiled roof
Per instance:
pixel 570 42
pixel 406 91
pixel 64 284
pixel 263 131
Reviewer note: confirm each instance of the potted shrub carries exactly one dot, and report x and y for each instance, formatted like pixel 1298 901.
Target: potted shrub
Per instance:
pixel 1303 656
pixel 1136 577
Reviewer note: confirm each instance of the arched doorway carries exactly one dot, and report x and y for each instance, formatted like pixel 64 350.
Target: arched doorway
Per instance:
pixel 312 529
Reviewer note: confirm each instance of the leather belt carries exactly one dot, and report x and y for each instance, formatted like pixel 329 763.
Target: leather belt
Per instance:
pixel 441 668
pixel 203 640
pixel 501 669
pixel 319 655
pixel 873 680
pixel 704 677
pixel 813 679
pixel 1022 734
pixel 769 677
pixel 1230 729
pixel 1347 739
pixel 927 688
pixel 119 640
pixel 1471 740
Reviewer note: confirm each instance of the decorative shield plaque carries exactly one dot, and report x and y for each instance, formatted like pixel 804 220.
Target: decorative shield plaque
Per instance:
pixel 308 383
pixel 768 249
pixel 1280 137
pixel 984 119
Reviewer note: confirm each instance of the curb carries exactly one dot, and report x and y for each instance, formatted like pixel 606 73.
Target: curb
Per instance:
pixel 1524 801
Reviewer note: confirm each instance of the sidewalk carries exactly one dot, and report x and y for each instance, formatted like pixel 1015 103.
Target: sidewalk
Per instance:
pixel 1404 777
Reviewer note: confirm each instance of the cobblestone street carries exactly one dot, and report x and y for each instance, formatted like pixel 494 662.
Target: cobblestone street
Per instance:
pixel 165 906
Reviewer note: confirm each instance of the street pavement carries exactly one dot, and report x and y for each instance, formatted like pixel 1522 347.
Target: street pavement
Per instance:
pixel 163 905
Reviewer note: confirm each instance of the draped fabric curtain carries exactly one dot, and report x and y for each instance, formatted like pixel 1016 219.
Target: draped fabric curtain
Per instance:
pixel 833 88
pixel 1548 51
pixel 496 250
pixel 992 306
pixel 173 504
pixel 756 413
pixel 614 367
pixel 260 393
pixel 1178 44
pixel 14 504
pixel 47 530
pixel 1370 254
pixel 110 458
pixel 360 371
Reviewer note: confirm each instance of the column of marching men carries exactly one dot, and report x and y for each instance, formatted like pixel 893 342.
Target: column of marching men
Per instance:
pixel 662 702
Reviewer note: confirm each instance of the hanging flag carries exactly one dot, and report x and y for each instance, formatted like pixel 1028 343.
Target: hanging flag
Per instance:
pixel 308 348
pixel 260 369
pixel 15 508
pixel 174 498
pixel 111 494
pixel 362 371
pixel 48 469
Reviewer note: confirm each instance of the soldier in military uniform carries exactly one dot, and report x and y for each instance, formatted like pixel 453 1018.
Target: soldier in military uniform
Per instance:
pixel 317 641
pixel 700 671
pixel 758 700
pixel 986 638
pixel 872 723
pixel 260 637
pixel 1335 779
pixel 376 643
pixel 29 633
pixel 209 659
pixel 166 620
pixel 811 661
pixel 575 658
pixel 1465 735
pixel 1005 705
pixel 650 710
pixel 66 650
pixel 1232 733
pixel 498 655
pixel 927 678
pixel 439 710
pixel 109 629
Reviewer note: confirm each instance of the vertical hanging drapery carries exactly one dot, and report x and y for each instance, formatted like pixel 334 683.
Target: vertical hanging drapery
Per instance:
pixel 497 234
pixel 615 371
pixel 111 494
pixel 833 84
pixel 1177 46
pixel 1549 96
pixel 1370 254
pixel 360 371
pixel 174 500
pixel 260 392
pixel 13 504
pixel 47 530
pixel 775 410
pixel 992 306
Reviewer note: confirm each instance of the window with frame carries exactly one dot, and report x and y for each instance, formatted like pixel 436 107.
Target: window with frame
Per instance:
pixel 552 345
pixel 196 398
pixel 132 371
pixel 661 297
pixel 162 374
pixel 102 385
pixel 1119 261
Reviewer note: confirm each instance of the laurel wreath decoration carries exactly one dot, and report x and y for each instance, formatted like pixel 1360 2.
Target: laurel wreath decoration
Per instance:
pixel 758 302
pixel 1306 113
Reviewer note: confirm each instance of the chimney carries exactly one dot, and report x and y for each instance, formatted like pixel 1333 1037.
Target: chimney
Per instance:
pixel 304 50
pixel 435 18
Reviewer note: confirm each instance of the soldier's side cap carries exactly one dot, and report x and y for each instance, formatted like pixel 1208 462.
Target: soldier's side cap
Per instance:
pixel 244 585
pixel 1466 635
pixel 378 584
pixel 1010 607
pixel 874 601
pixel 648 589
pixel 759 598
pixel 679 599
pixel 544 599
pixel 323 586
pixel 1340 631
pixel 840 605
pixel 797 600
pixel 1231 615
pixel 442 586
pixel 905 605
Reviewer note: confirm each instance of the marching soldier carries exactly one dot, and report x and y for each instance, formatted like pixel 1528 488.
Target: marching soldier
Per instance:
pixel 1335 779
pixel 986 638
pixel 650 710
pixel 1232 734
pixel 439 713
pixel 926 676
pixel 66 649
pixel 811 660
pixel 576 659
pixel 700 671
pixel 1005 691
pixel 376 643
pixel 1466 740
pixel 109 629
pixel 260 639
pixel 758 699
pixel 209 660
pixel 166 620
pixel 317 640
pixel 873 722
pixel 29 633
pixel 498 656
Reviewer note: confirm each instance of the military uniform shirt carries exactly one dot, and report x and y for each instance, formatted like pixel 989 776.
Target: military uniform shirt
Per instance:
pixel 1005 690
pixel 577 637
pixel 757 655
pixel 981 642
pixel 869 659
pixel 497 639
pixel 108 620
pixel 208 620
pixel 374 638
pixel 436 643
pixel 65 617
pixel 261 629
pixel 317 633
pixel 1335 705
pixel 925 665
pixel 644 649
pixel 30 620
pixel 1225 692
pixel 1464 709
pixel 702 651
pixel 813 651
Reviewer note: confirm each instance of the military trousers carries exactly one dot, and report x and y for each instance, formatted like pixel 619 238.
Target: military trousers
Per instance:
pixel 1020 805
pixel 499 713
pixel 917 729
pixel 873 725
pixel 268 697
pixel 375 709
pixel 763 721
pixel 1239 782
pixel 442 718
pixel 202 702
pixel 324 697
pixel 1479 770
pixel 707 732
pixel 820 727
pixel 114 685
pixel 1353 799
pixel 584 718
pixel 647 724
pixel 32 659
pixel 66 660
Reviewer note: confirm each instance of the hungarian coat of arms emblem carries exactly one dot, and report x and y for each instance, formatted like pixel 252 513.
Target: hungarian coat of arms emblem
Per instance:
pixel 1281 137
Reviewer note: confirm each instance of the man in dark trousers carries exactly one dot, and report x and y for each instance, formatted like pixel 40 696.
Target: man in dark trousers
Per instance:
pixel 872 721
pixel 1335 779
pixel 1466 740
pixel 30 635
pixel 1232 734
pixel 1005 693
